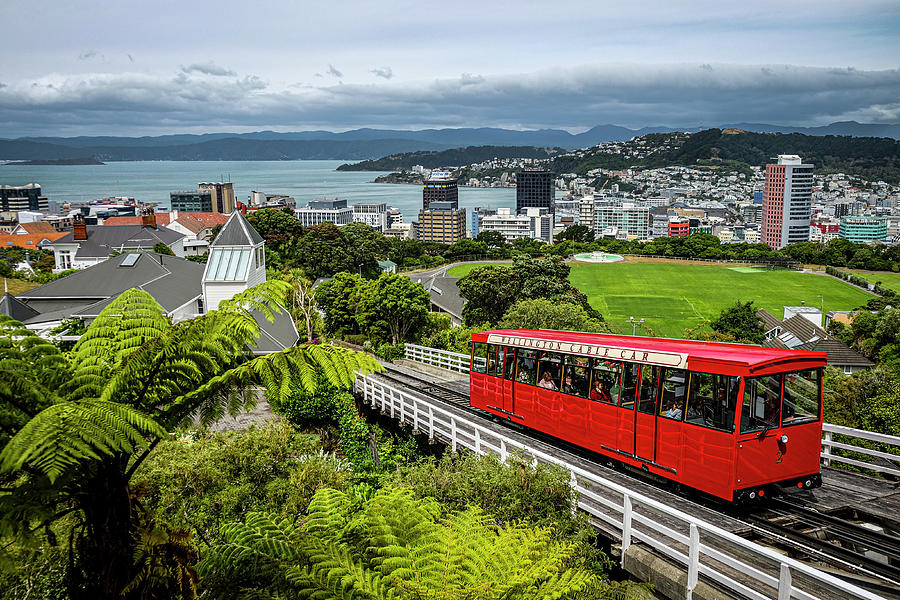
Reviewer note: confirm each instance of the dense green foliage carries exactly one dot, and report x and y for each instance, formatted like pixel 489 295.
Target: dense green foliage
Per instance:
pixel 394 545
pixel 541 313
pixel 741 322
pixel 199 482
pixel 132 376
pixel 491 290
pixel 871 158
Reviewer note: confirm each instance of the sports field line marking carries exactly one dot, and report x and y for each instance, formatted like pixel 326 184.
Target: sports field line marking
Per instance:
pixel 693 308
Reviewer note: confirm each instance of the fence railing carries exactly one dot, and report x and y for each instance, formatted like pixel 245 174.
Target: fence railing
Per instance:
pixel 851 440
pixel 704 550
pixel 453 361
pixel 875 460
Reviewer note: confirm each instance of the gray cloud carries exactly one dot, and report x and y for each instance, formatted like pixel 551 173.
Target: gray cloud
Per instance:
pixel 208 68
pixel 632 95
pixel 332 71
pixel 384 72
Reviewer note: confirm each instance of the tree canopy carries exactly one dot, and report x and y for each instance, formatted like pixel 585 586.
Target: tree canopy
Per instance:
pixel 741 321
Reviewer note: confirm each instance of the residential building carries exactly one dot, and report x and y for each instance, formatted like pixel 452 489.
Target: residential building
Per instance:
pixel 15 198
pixel 260 200
pixel 237 261
pixel 440 187
pixel 332 210
pixel 534 189
pixel 624 222
pixel 441 222
pixel 30 240
pixel 373 214
pixel 197 229
pixel 787 202
pixel 88 245
pixel 863 229
pixel 800 332
pixel 509 225
pixel 33 228
pixel 184 289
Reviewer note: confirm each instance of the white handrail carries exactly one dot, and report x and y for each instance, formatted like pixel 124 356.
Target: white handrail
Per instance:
pixel 699 558
pixel 889 464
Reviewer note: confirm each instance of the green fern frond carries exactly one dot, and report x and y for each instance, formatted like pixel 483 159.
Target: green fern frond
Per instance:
pixel 65 434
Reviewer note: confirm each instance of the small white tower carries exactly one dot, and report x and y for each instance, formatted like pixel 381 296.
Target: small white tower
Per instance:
pixel 237 261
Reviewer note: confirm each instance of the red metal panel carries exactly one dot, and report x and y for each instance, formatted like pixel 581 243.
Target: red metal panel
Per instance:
pixel 625 431
pixel 669 444
pixel 645 437
pixel 708 460
pixel 546 408
pixel 526 407
pixel 602 425
pixel 573 419
pixel 768 459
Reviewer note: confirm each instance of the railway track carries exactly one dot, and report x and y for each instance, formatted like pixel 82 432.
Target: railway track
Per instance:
pixel 857 553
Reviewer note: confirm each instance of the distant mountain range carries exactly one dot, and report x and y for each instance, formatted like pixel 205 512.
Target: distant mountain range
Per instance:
pixel 362 144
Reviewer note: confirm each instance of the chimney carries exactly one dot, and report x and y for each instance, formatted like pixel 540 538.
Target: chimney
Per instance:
pixel 79 228
pixel 148 217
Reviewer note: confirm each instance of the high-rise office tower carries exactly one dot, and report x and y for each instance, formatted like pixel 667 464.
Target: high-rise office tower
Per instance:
pixel 534 189
pixel 440 187
pixel 787 202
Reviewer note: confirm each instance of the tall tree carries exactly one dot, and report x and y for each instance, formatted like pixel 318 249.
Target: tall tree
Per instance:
pixel 135 376
pixel 547 314
pixel 741 321
pixel 398 302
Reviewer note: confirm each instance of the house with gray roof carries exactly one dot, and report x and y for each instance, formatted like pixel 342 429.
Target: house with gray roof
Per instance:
pixel 184 289
pixel 88 245
pixel 797 332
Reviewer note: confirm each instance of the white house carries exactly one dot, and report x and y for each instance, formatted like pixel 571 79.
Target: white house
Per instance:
pixel 237 261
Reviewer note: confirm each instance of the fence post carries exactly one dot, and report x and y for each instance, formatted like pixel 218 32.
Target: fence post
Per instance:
pixel 453 434
pixel 626 527
pixel 573 483
pixel 693 561
pixel 784 583
pixel 431 422
pixel 503 453
pixel 827 448
pixel 477 441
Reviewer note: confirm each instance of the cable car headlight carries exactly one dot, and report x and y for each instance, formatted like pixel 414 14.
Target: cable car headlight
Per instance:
pixel 784 438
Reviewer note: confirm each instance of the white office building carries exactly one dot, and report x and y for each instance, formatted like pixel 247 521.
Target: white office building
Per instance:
pixel 627 221
pixel 320 211
pixel 534 222
pixel 373 214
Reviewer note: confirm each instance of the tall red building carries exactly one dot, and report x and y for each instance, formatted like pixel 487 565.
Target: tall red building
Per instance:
pixel 787 202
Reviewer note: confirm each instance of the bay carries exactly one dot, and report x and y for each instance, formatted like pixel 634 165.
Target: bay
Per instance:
pixel 305 180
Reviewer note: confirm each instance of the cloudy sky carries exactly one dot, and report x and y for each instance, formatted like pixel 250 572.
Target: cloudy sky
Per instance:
pixel 124 67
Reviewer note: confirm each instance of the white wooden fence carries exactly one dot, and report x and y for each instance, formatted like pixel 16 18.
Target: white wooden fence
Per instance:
pixel 703 549
pixel 881 462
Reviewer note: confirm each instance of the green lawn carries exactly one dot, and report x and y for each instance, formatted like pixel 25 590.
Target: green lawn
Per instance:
pixel 18 286
pixel 674 297
pixel 461 270
pixel 888 279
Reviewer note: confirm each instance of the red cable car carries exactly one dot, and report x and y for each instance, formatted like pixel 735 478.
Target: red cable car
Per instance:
pixel 731 420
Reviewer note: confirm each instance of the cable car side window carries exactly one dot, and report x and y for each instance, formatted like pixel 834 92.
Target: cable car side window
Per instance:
pixel 629 385
pixel 801 397
pixel 549 370
pixel 479 357
pixel 510 363
pixel 526 366
pixel 762 403
pixel 575 380
pixel 674 393
pixel 491 359
pixel 647 393
pixel 712 400
pixel 605 376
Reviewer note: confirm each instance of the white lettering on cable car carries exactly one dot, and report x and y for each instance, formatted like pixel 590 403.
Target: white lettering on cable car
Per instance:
pixel 651 357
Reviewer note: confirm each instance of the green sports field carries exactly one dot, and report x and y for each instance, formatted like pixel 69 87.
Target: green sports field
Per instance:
pixel 461 270
pixel 888 279
pixel 674 297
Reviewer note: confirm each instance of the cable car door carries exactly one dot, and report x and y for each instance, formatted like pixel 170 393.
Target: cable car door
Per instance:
pixel 645 415
pixel 509 404
pixel 625 416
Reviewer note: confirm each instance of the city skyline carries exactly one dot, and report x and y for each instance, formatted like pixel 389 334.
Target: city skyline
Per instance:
pixel 134 69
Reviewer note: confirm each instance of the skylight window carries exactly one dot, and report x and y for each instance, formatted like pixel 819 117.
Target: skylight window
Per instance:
pixel 130 259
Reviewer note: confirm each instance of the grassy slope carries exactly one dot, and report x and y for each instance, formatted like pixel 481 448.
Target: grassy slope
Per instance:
pixel 673 297
pixel 888 279
pixel 17 286
pixel 461 270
